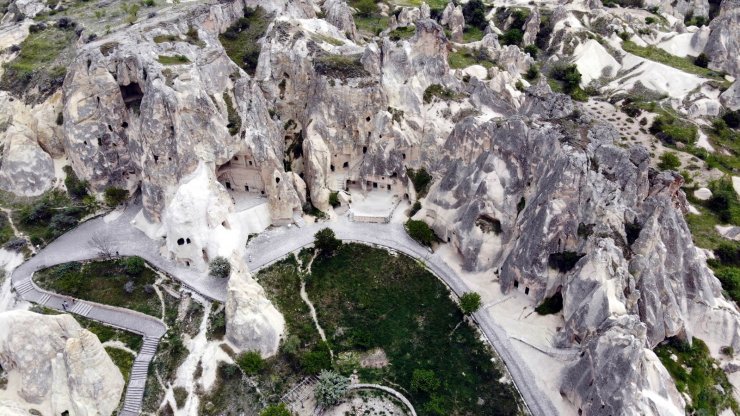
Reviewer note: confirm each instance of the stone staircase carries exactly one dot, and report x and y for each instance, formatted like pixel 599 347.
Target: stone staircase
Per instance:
pixel 24 286
pixel 135 391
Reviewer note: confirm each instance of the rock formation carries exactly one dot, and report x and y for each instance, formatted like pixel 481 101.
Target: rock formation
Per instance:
pixel 56 366
pixel 723 45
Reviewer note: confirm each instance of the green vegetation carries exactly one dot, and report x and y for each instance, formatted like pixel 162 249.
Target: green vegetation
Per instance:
pixel 219 267
pixel 326 242
pixel 115 196
pixel 250 362
pixel 107 333
pixel 46 218
pixel 673 130
pixel 669 161
pixel 551 305
pixel 475 14
pixel 569 81
pixel 123 359
pixel 181 395
pixel 420 178
pixel 234 120
pixel 216 322
pixel 105 282
pixel 472 34
pixel 6 231
pixel 173 60
pixel 340 66
pixel 240 39
pixel 331 388
pixel 470 302
pixel 75 187
pixel 637 4
pixel 334 199
pixel 131 12
pixel 232 394
pixel 40 62
pixel 686 64
pixel 465 57
pixel 697 374
pixel 437 91
pixel 401 33
pixel 415 208
pixel 275 410
pixel 420 231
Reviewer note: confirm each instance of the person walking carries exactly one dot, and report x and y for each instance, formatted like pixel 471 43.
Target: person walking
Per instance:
pixel 64 305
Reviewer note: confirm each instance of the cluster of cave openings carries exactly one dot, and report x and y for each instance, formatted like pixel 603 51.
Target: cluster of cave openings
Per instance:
pixel 387 183
pixel 181 241
pixel 240 174
pixel 516 286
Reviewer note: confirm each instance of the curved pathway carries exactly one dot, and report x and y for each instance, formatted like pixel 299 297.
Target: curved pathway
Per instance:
pixel 274 244
pixel 388 390
pixel 125 240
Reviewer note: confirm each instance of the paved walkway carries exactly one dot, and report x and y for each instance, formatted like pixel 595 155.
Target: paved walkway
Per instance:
pixel 388 390
pixel 274 244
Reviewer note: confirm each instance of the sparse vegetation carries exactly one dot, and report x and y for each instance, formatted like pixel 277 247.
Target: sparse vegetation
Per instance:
pixel 240 39
pixel 686 64
pixel 437 91
pixel 669 161
pixel 673 130
pixel 219 267
pixel 340 66
pixel 173 60
pixel 465 57
pixel 115 196
pixel 234 120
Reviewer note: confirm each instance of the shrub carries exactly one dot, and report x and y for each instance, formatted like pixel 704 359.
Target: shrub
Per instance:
pixel 250 362
pixel 14 244
pixel 512 36
pixel 420 231
pixel 724 201
pixel 671 130
pixel 334 199
pixel 470 302
pixel 233 118
pixel 727 350
pixel 219 267
pixel 415 208
pixel 240 39
pixel 365 8
pixel 330 388
pixel 532 73
pixel 669 161
pixel 531 50
pixel 115 196
pixel 551 305
pixel 425 381
pixel 326 241
pixel 276 410
pixel 421 180
pixel 438 91
pixel 316 360
pixel 475 14
pixel 569 75
pixel 75 187
pixel 133 266
pixel 702 60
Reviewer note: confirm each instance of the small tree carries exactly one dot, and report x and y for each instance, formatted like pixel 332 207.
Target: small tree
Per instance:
pixel 420 231
pixel 219 267
pixel 115 196
pixel 133 266
pixel 102 245
pixel 669 161
pixel 470 302
pixel 331 388
pixel 250 362
pixel 702 60
pixel 275 410
pixel 326 241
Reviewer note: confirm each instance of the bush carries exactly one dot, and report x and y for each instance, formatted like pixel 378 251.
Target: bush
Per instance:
pixel 669 161
pixel 470 302
pixel 569 75
pixel 671 130
pixel 420 231
pixel 331 388
pixel 532 73
pixel 425 381
pixel 115 196
pixel 702 60
pixel 75 187
pixel 531 50
pixel 475 14
pixel 512 36
pixel 14 244
pixel 551 305
pixel 316 360
pixel 334 199
pixel 276 410
pixel 415 208
pixel 421 180
pixel 133 266
pixel 724 201
pixel 250 362
pixel 219 267
pixel 438 91
pixel 326 241
pixel 365 8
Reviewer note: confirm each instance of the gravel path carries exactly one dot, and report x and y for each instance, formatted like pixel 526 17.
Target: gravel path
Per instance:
pixel 274 244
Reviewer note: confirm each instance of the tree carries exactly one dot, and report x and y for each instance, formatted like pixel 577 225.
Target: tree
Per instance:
pixel 365 8
pixel 275 410
pixel 133 266
pixel 470 302
pixel 330 388
pixel 115 196
pixel 219 267
pixel 669 161
pixel 702 60
pixel 475 14
pixel 102 244
pixel 326 241
pixel 250 362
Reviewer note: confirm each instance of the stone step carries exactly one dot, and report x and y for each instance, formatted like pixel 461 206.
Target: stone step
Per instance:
pixel 45 298
pixel 24 286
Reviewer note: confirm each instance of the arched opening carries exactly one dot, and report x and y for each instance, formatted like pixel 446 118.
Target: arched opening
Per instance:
pixel 526 290
pixel 180 241
pixel 131 94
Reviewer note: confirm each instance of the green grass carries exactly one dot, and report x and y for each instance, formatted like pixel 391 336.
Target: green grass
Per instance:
pixel 124 360
pixel 659 55
pixel 437 91
pixel 39 51
pixel 6 231
pixel 47 217
pixel 173 60
pixel 106 333
pixel 402 33
pixel 465 57
pixel 365 298
pixel 696 373
pixel 472 34
pixel 371 25
pixel 102 282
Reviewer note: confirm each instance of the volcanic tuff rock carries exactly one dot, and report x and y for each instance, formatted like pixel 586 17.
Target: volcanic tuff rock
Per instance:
pixel 57 366
pixel 723 45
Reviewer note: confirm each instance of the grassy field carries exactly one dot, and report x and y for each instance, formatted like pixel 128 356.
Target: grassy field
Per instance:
pixel 6 232
pixel 464 57
pixel 240 39
pixel 124 360
pixel 103 282
pixel 696 373
pixel 368 299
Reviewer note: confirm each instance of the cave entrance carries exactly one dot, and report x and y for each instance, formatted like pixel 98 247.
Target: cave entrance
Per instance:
pixel 132 95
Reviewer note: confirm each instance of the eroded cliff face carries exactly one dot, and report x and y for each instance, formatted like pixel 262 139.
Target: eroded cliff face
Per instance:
pixel 54 365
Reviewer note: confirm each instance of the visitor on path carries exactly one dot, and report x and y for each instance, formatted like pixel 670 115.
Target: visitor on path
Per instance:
pixel 64 305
